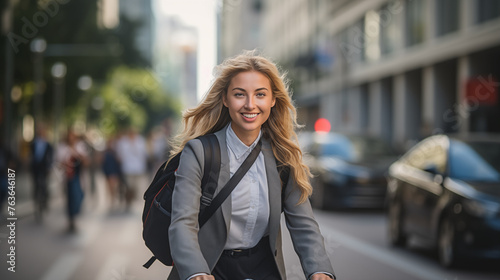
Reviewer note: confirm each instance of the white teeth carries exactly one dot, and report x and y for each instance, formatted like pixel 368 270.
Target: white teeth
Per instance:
pixel 250 116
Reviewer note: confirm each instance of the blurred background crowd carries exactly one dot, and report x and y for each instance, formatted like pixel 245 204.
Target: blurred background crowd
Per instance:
pixel 92 91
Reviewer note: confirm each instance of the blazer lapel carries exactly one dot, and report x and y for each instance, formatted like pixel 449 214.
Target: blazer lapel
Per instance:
pixel 274 185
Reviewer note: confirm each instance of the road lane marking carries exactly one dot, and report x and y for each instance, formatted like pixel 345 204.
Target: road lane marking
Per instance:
pixel 115 268
pixel 335 238
pixel 64 267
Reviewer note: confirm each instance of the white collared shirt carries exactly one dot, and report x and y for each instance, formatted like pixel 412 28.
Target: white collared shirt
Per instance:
pixel 250 198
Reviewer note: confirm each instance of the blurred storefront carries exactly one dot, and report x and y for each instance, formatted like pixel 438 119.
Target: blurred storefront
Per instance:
pixel 399 69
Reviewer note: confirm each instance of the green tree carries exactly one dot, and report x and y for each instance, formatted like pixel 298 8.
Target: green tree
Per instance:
pixel 129 97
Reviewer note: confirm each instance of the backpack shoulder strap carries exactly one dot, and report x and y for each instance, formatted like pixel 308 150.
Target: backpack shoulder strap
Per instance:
pixel 211 168
pixel 284 172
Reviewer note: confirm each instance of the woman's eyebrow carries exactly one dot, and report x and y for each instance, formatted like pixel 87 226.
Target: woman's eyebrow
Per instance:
pixel 259 89
pixel 237 88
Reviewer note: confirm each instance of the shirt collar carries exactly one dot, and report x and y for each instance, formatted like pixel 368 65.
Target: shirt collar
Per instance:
pixel 237 147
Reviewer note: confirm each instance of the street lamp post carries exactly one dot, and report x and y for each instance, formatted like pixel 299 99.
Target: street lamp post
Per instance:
pixel 84 84
pixel 58 72
pixel 38 47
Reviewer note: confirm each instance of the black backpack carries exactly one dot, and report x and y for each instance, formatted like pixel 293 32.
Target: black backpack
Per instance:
pixel 158 198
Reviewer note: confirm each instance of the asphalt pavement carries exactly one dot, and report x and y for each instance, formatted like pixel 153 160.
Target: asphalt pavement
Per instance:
pixel 107 245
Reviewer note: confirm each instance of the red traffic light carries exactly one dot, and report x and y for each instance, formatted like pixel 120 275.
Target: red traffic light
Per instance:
pixel 322 125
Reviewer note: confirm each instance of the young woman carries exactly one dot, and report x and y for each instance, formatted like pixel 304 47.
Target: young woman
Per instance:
pixel 73 156
pixel 248 102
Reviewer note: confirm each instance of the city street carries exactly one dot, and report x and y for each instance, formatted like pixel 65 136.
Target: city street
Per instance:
pixel 108 246
pixel 393 102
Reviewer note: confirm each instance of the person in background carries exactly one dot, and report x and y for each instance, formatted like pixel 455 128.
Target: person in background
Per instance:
pixel 132 153
pixel 42 157
pixel 112 171
pixel 73 156
pixel 157 149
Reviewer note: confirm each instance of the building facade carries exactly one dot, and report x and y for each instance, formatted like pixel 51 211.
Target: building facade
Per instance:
pixel 396 69
pixel 142 12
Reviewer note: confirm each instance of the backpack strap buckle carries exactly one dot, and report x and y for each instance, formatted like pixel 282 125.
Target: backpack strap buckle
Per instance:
pixel 206 201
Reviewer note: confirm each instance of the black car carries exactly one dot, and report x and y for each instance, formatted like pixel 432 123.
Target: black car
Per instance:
pixel 446 192
pixel 349 171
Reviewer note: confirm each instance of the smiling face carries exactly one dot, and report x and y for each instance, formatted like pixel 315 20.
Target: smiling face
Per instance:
pixel 249 99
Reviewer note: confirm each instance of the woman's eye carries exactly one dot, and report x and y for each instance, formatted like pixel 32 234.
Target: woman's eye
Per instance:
pixel 261 94
pixel 238 94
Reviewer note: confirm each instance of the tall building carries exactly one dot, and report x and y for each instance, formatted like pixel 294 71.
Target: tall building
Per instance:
pixel 398 69
pixel 141 11
pixel 241 26
pixel 176 58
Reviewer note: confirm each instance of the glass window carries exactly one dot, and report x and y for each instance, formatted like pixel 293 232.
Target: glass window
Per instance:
pixel 415 22
pixel 355 47
pixel 372 36
pixel 487 10
pixel 340 148
pixel 447 14
pixel 369 148
pixel 389 28
pixel 347 50
pixel 352 148
pixel 429 155
pixel 475 161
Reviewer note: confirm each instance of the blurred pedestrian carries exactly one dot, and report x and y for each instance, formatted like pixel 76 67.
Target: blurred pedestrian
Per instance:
pixel 132 153
pixel 73 156
pixel 42 157
pixel 248 103
pixel 157 147
pixel 112 171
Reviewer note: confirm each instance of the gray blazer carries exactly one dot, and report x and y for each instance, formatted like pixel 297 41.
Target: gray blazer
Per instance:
pixel 197 250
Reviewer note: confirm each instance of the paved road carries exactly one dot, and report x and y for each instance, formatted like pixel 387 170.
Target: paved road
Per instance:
pixel 357 245
pixel 109 246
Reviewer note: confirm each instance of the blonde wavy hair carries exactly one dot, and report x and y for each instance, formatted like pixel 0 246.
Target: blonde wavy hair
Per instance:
pixel 211 115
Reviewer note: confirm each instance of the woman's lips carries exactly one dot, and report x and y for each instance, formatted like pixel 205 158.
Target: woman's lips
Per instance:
pixel 250 116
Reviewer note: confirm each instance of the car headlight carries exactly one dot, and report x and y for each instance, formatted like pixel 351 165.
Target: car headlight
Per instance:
pixel 484 209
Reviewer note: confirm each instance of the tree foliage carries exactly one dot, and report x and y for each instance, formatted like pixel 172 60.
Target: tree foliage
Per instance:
pixel 117 68
pixel 129 97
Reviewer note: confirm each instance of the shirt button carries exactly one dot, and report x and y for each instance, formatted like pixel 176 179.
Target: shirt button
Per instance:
pixel 253 181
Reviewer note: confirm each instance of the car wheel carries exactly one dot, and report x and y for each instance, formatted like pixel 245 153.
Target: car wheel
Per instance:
pixel 447 244
pixel 396 234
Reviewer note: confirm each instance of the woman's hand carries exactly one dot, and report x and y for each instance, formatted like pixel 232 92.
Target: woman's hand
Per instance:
pixel 203 277
pixel 320 276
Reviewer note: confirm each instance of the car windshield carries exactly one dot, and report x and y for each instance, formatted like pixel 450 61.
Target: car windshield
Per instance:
pixel 475 161
pixel 355 148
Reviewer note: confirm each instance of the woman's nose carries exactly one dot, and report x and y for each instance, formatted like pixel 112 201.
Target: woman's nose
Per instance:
pixel 250 103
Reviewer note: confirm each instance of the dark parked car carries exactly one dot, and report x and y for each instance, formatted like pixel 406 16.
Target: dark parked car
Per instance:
pixel 446 191
pixel 350 171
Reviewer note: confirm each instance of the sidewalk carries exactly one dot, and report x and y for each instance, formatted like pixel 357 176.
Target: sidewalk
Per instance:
pixel 107 245
pixel 23 195
pixel 24 190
